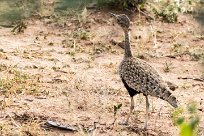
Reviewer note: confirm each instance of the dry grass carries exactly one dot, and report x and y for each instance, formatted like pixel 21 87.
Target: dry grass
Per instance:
pixel 23 125
pixel 167 67
pixel 77 70
pixel 16 82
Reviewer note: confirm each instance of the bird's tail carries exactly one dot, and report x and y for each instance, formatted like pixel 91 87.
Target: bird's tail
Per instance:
pixel 166 95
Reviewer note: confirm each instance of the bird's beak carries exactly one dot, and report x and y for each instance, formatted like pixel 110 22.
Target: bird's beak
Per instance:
pixel 113 15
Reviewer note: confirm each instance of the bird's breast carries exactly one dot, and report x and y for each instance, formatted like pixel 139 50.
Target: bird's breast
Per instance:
pixel 129 71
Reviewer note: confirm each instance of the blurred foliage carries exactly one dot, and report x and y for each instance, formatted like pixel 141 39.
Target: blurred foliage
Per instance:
pixel 80 4
pixel 187 120
pixel 168 10
pixel 199 14
pixel 121 4
pixel 73 4
pixel 12 11
pixel 168 14
pixel 15 10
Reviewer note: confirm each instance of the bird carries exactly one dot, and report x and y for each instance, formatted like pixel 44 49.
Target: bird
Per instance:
pixel 138 76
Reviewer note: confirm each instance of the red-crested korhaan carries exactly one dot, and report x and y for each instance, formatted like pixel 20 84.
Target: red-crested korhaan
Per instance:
pixel 138 76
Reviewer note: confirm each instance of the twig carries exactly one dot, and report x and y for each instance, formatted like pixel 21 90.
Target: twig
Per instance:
pixel 176 37
pixel 79 127
pixel 177 54
pixel 154 34
pixel 145 14
pixel 13 121
pixel 7 26
pixel 138 9
pixel 88 130
pixel 196 79
pixel 60 126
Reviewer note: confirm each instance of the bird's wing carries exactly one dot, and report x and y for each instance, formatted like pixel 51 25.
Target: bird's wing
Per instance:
pixel 143 78
pixel 139 75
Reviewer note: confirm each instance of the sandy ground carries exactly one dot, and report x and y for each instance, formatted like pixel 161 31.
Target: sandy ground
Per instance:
pixel 74 68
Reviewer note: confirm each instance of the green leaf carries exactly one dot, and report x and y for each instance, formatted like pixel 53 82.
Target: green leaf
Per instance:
pixel 186 130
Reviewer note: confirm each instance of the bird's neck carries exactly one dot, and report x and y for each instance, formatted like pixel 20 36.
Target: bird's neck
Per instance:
pixel 127 45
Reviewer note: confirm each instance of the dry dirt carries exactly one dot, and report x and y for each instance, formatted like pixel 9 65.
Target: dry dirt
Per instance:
pixel 75 71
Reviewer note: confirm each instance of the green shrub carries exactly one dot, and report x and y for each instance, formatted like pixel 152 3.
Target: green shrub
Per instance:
pixel 168 10
pixel 168 14
pixel 187 121
pixel 121 4
pixel 12 11
pixel 199 13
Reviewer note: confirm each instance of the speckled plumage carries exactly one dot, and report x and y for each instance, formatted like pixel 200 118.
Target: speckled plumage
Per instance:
pixel 143 78
pixel 138 76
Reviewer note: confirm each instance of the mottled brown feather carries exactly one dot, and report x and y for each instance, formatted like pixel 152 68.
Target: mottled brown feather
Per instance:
pixel 143 78
pixel 139 76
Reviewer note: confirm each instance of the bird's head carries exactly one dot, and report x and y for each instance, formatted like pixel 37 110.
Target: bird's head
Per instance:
pixel 122 20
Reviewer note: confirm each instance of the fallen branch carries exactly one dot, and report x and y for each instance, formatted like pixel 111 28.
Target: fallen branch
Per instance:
pixel 13 121
pixel 196 79
pixel 60 126
pixel 81 128
pixel 177 54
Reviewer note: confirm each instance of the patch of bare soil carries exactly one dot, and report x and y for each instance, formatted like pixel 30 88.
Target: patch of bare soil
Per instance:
pixel 69 74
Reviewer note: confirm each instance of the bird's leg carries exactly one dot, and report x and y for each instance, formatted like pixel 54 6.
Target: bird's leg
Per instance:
pixel 131 109
pixel 128 116
pixel 147 110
